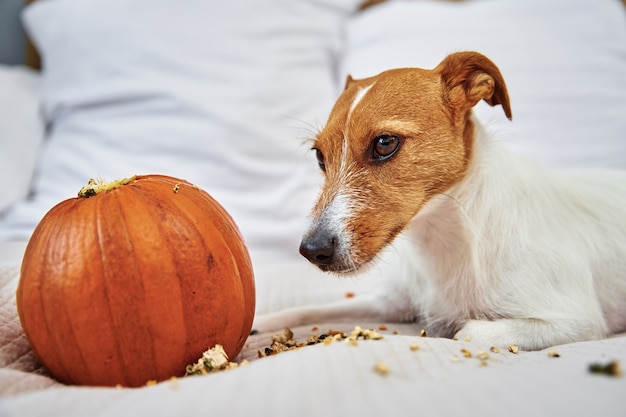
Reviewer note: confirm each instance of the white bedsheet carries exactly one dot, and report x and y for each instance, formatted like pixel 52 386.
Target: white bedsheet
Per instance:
pixel 335 379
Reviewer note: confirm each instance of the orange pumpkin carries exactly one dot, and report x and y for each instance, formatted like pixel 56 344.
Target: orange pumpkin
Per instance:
pixel 134 280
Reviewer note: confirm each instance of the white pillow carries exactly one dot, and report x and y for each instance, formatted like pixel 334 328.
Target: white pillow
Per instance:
pixel 21 131
pixel 218 93
pixel 564 62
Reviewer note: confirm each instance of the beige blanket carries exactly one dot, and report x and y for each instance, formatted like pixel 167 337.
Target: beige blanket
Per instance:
pixel 441 377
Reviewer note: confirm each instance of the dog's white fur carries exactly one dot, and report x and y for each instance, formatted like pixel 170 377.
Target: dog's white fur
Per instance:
pixel 511 254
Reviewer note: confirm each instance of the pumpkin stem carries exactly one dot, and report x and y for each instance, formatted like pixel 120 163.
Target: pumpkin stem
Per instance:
pixel 94 187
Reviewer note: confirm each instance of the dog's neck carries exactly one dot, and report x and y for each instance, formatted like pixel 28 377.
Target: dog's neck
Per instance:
pixel 449 230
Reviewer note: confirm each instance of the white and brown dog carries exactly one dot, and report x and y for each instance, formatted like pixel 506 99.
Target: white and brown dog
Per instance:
pixel 490 246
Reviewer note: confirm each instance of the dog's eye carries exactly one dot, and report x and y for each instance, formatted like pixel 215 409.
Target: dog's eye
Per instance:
pixel 320 159
pixel 385 146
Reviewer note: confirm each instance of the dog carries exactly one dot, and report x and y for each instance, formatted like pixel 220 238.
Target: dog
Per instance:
pixel 487 245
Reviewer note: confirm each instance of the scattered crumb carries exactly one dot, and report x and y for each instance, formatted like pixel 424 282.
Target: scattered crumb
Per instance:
pixel 423 333
pixel 414 346
pixel 554 354
pixel 285 337
pixel 212 360
pixel 151 383
pixel 381 368
pixel 349 294
pixel 494 349
pixel 482 355
pixel 284 341
pixel 365 334
pixel 173 381
pixel 513 349
pixel 612 368
pixel 176 188
pixel 395 332
pixel 314 329
pixel 468 339
pixel 382 327
pixel 466 353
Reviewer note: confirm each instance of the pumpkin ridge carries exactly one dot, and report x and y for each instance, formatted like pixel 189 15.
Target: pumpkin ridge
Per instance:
pixel 23 291
pixel 146 196
pixel 120 282
pixel 50 319
pixel 105 289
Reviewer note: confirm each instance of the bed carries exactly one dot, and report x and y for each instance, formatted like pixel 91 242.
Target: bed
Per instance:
pixel 225 95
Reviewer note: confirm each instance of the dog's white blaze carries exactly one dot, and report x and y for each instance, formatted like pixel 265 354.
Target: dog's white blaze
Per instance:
pixel 344 146
pixel 346 202
pixel 359 96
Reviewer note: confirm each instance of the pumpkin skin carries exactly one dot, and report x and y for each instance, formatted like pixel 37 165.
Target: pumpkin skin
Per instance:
pixel 134 283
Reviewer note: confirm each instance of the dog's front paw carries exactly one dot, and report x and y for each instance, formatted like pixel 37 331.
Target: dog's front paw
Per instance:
pixel 487 333
pixel 527 334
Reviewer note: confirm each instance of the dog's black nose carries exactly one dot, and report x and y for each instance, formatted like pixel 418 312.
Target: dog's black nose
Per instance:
pixel 319 250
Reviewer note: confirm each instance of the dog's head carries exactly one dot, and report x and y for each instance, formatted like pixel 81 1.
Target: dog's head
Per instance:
pixel 391 143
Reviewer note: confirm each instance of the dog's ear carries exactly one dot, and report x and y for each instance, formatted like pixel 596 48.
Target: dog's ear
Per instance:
pixel 349 80
pixel 469 77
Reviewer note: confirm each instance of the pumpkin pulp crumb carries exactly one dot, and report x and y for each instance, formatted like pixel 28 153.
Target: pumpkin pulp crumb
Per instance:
pixel 466 353
pixel 554 354
pixel 513 349
pixel 482 355
pixel 613 368
pixel 381 368
pixel 94 187
pixel 282 342
pixel 212 360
